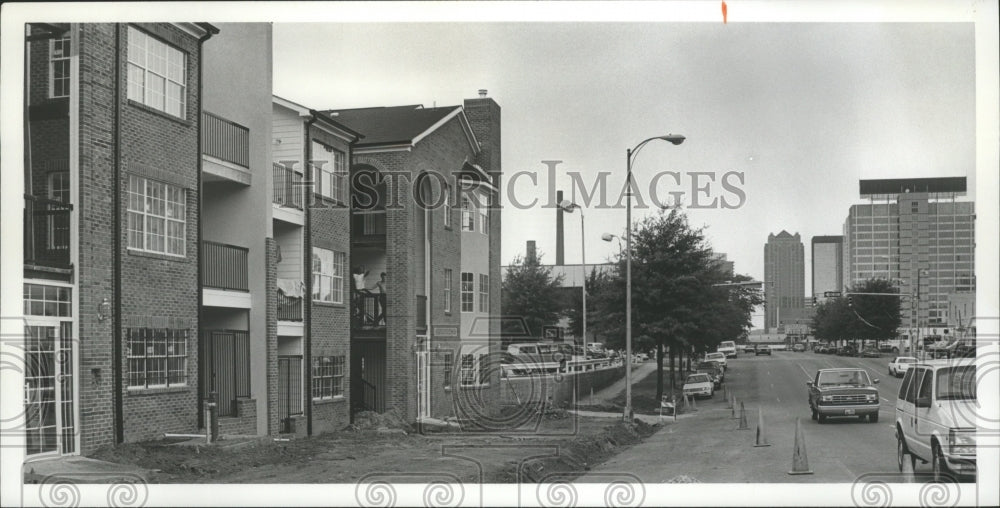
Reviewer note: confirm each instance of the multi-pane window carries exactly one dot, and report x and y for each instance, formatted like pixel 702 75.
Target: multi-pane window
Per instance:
pixel 449 364
pixel 157 73
pixel 484 293
pixel 327 377
pixel 468 292
pixel 156 357
pixel 328 275
pixel 447 206
pixel 40 300
pixel 447 289
pixel 156 216
pixel 58 225
pixel 468 215
pixel 329 172
pixel 59 67
pixel 484 219
pixel 474 370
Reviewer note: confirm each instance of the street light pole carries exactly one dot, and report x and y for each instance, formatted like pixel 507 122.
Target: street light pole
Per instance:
pixel 569 206
pixel 676 140
pixel 916 313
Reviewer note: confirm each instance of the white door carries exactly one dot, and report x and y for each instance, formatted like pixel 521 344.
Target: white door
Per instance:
pixel 49 402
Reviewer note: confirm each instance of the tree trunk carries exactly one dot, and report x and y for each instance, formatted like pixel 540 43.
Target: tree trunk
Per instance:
pixel 672 356
pixel 659 370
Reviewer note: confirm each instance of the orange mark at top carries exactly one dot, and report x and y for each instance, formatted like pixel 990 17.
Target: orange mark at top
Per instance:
pixel 723 12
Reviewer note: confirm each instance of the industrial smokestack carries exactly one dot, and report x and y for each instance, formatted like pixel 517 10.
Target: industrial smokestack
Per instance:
pixel 482 93
pixel 560 251
pixel 529 254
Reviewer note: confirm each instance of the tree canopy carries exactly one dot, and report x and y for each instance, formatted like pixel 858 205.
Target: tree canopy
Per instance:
pixel 860 316
pixel 530 293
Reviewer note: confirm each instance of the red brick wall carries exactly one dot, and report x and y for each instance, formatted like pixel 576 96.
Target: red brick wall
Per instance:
pixel 329 327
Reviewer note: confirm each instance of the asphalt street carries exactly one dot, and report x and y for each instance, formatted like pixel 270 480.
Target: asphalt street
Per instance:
pixel 708 447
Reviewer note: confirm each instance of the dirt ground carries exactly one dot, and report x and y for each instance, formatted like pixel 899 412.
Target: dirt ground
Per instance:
pixel 555 443
pixel 644 399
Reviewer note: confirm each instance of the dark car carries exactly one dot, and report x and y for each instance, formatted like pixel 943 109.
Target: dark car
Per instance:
pixel 847 351
pixel 712 369
pixel 762 349
pixel 870 352
pixel 843 392
pixel 798 347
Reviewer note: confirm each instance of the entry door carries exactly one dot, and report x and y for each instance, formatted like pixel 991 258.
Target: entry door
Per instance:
pixel 49 407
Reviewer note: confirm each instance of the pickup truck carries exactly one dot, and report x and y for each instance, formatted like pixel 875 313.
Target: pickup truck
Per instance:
pixel 843 392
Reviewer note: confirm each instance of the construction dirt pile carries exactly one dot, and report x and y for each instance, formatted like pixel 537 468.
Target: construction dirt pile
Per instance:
pixel 370 420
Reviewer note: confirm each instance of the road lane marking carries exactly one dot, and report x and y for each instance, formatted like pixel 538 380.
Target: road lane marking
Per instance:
pixel 779 398
pixel 808 376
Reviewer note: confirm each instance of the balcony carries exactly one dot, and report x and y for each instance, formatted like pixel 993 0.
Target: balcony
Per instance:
pixel 287 187
pixel 46 232
pixel 224 266
pixel 368 227
pixel 368 312
pixel 225 140
pixel 289 300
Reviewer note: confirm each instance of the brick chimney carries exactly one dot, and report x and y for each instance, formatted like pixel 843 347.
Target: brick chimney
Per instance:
pixel 529 254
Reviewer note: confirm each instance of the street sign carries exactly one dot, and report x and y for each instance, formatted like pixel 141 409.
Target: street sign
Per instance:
pixel 831 294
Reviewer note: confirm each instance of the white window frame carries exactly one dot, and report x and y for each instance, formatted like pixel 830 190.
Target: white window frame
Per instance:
pixel 468 215
pixel 141 193
pixel 484 218
pixel 171 338
pixel 329 178
pixel 143 49
pixel 448 281
pixel 62 195
pixel 329 378
pixel 447 205
pixel 472 367
pixel 471 292
pixel 328 265
pixel 484 293
pixel 62 61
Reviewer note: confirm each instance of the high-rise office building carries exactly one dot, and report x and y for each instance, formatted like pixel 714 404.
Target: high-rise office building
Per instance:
pixel 915 233
pixel 784 275
pixel 827 265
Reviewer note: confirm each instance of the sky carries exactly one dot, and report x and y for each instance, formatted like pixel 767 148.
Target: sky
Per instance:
pixel 802 110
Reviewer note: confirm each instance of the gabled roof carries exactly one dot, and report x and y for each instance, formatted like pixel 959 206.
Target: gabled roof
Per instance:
pixel 344 131
pixel 399 125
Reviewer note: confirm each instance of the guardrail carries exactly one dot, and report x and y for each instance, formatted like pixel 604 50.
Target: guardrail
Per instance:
pixel 225 139
pixel 224 266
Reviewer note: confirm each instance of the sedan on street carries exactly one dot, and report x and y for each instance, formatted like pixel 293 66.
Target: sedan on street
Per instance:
pixel 699 385
pixel 899 364
pixel 762 349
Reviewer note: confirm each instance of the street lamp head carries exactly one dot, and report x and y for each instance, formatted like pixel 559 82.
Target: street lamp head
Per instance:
pixel 568 205
pixel 673 138
pixel 607 237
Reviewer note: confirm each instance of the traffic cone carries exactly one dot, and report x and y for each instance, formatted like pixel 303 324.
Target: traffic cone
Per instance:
pixel 800 464
pixel 729 398
pixel 743 418
pixel 761 439
pixel 687 403
pixel 694 403
pixel 907 468
pixel 732 407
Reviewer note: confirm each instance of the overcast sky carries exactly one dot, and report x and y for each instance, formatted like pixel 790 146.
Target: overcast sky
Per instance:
pixel 803 110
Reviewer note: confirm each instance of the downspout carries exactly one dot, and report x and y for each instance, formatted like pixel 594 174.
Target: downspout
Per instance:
pixel 307 264
pixel 201 108
pixel 116 255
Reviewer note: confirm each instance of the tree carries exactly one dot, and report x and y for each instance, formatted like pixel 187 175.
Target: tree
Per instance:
pixel 867 317
pixel 607 327
pixel 531 293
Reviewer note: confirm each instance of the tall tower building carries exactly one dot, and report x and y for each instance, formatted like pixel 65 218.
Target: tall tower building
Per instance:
pixel 827 265
pixel 784 274
pixel 914 232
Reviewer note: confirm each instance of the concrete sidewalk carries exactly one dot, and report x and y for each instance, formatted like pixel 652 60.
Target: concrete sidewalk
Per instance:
pixel 76 469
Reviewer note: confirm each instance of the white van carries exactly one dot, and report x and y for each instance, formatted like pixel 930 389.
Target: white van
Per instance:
pixel 936 416
pixel 728 348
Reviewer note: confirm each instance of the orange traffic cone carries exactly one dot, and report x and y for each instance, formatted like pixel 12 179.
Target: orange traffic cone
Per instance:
pixel 761 439
pixel 743 418
pixel 800 464
pixel 907 470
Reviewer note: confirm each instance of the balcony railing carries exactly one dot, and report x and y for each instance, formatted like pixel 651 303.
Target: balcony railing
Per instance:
pixel 421 313
pixel 225 368
pixel 287 186
pixel 46 232
pixel 225 139
pixel 367 310
pixel 289 308
pixel 224 266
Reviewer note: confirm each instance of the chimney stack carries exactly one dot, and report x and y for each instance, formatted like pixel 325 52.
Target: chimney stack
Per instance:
pixel 482 93
pixel 560 249
pixel 530 251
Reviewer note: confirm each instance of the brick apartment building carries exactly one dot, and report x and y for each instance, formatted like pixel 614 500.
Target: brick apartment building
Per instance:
pixel 177 250
pixel 430 356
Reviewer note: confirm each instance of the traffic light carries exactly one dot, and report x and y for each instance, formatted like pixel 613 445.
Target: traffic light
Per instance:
pixel 814 301
pixel 850 300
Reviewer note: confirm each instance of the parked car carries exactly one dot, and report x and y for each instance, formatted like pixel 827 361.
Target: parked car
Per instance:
pixel 798 347
pixel 843 392
pixel 762 349
pixel 899 365
pixel 713 369
pixel 748 348
pixel 870 352
pixel 699 385
pixel 717 357
pixel 847 351
pixel 728 348
pixel 935 416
